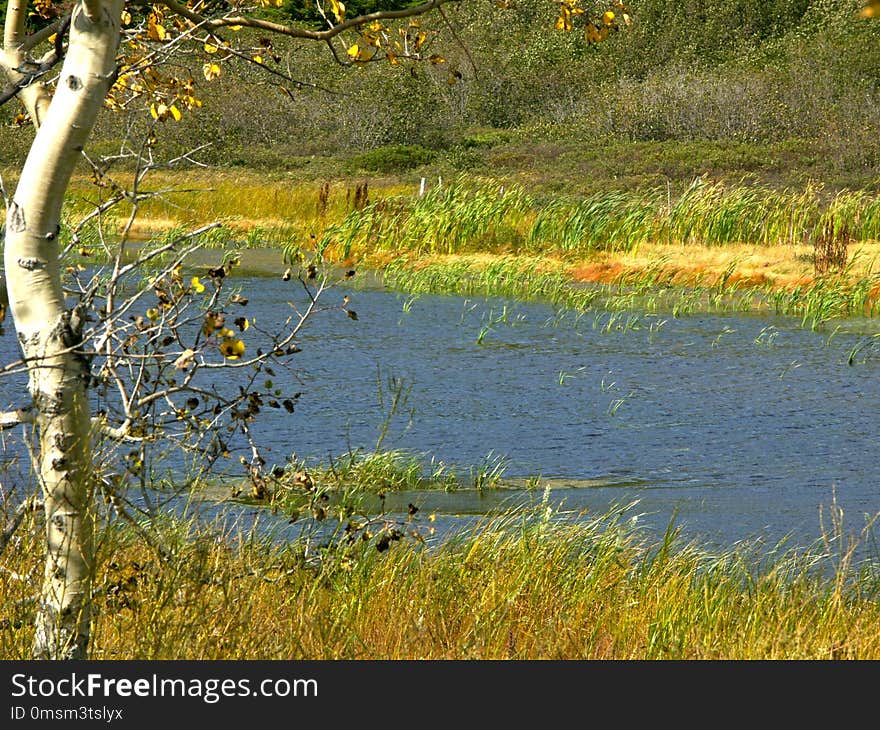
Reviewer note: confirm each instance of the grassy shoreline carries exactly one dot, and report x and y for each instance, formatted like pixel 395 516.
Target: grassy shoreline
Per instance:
pixel 753 237
pixel 534 585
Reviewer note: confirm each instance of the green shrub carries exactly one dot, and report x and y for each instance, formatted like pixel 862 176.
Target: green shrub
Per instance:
pixel 393 158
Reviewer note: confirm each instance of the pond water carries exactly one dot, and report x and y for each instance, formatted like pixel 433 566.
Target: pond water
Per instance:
pixel 738 426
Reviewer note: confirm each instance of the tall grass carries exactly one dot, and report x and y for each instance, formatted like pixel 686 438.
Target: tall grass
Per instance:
pixel 529 279
pixel 613 221
pixel 534 236
pixel 532 584
pixel 256 209
pixel 828 298
pixel 469 216
pixel 447 219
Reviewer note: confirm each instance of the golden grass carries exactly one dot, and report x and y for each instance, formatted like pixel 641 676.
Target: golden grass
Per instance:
pixel 245 200
pixel 773 266
pixel 277 209
pixel 517 587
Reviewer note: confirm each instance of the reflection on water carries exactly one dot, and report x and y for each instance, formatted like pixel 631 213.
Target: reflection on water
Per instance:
pixel 739 426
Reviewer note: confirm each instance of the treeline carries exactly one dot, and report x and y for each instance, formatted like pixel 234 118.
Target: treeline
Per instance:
pixel 747 70
pixel 744 72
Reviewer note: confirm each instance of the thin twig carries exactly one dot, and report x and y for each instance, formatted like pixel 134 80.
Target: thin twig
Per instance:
pixel 13 522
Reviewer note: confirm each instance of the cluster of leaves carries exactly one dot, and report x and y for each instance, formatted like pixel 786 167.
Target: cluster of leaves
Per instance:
pixel 341 523
pixel 595 29
pixel 313 12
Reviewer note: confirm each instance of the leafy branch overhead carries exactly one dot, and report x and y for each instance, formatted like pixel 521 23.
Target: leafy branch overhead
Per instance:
pixel 355 34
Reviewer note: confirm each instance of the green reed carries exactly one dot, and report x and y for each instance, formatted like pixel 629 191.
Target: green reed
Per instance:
pixel 447 219
pixel 472 215
pixel 613 221
pixel 835 296
pixel 651 290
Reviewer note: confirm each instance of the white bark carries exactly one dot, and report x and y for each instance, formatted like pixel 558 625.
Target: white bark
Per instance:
pixel 34 97
pixel 47 331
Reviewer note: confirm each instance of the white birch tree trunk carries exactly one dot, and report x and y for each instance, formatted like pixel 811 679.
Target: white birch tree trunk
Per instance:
pixel 49 332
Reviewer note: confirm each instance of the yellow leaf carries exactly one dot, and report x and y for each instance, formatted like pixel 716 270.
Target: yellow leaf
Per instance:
pixel 258 59
pixel 353 52
pixel 197 285
pixel 437 58
pixel 211 71
pixel 211 48
pixel 213 321
pixel 153 314
pixel 175 112
pixel 235 28
pixel 608 17
pixel 563 22
pixel 154 111
pixel 125 18
pixel 232 348
pixel 155 31
pixel 338 10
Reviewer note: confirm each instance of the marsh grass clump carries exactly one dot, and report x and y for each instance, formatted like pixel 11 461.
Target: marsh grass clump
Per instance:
pixel 608 221
pixel 365 219
pixel 448 219
pixel 470 216
pixel 532 583
pixel 656 288
pixel 382 471
pixel 830 297
pixel 831 247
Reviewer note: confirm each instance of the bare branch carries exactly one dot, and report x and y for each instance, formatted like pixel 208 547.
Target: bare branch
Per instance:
pixel 117 433
pixel 44 34
pixel 274 72
pixel 13 522
pixel 458 40
pixel 167 247
pixel 27 73
pixel 10 419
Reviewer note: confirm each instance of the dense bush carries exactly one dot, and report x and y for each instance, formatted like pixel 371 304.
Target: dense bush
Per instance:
pixel 392 158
